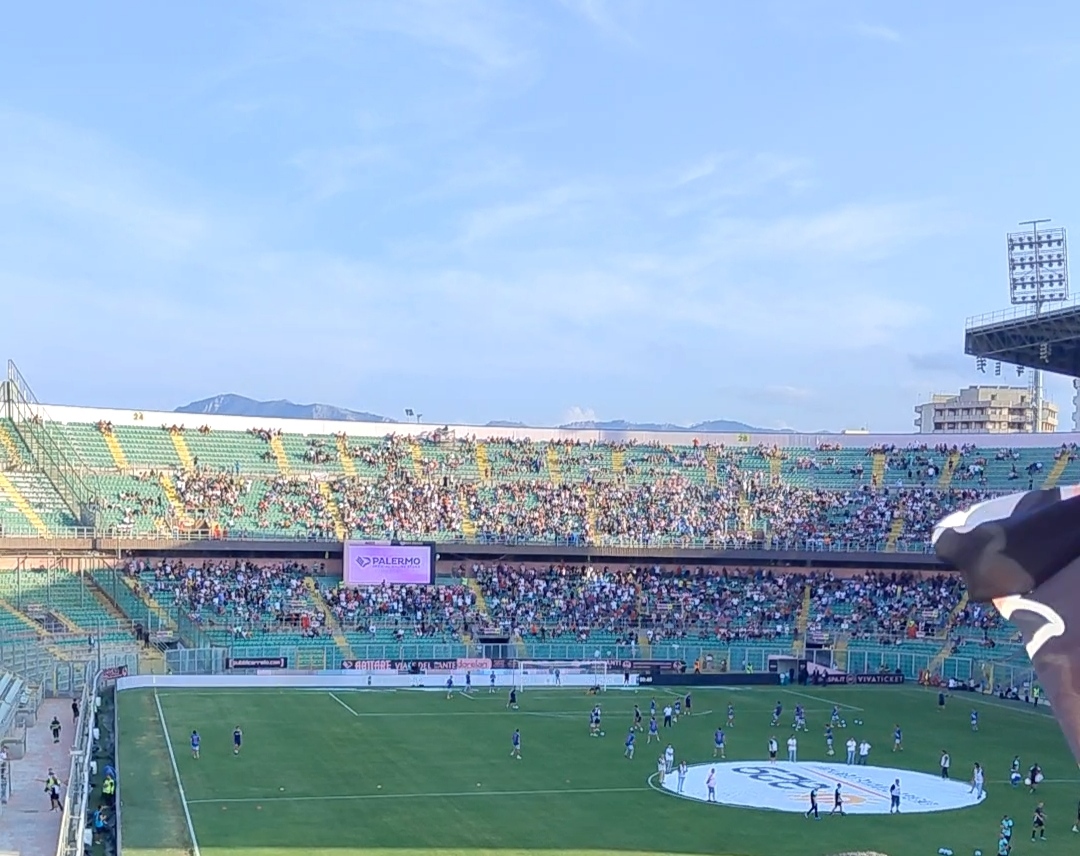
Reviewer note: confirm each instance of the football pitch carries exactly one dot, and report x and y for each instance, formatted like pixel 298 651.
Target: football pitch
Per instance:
pixel 408 771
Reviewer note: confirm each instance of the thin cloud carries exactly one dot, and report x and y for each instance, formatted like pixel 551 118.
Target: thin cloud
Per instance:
pixel 331 172
pixel 602 15
pixel 578 414
pixel 878 32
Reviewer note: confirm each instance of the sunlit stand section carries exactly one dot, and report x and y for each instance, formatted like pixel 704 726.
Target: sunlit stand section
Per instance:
pixel 75 836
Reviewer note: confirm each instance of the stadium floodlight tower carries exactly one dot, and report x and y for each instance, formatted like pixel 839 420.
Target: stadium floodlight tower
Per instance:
pixel 1038 275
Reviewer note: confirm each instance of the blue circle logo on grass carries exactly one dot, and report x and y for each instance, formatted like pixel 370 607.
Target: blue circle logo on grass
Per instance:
pixel 786 787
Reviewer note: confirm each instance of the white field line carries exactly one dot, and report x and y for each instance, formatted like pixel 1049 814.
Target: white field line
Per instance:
pixel 339 701
pixel 439 795
pixel 176 773
pixel 822 699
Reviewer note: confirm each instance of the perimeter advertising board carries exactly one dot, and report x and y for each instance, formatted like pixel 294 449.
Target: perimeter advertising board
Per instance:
pixel 865 680
pixel 367 564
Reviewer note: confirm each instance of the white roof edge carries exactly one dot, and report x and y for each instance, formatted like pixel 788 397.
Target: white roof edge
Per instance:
pixel 192 421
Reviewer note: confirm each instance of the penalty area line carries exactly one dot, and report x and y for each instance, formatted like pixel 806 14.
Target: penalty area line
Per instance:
pixel 426 796
pixel 339 701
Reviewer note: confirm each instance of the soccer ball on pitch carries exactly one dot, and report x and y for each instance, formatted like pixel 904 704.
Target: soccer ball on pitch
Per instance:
pixel 843 723
pixel 1015 779
pixel 601 733
pixel 236 751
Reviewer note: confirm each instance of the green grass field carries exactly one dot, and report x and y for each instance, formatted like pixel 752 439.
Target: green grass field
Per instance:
pixel 412 772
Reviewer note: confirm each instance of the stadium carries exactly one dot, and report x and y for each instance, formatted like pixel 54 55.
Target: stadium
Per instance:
pixel 576 610
pixel 220 569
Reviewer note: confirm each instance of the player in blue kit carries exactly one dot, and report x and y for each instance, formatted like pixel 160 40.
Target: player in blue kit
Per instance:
pixel 834 718
pixel 800 718
pixel 450 687
pixel 195 741
pixel 515 744
pixel 731 716
pixel 686 704
pixel 652 707
pixel 897 739
pixel 637 718
pixel 511 701
pixel 678 710
pixel 776 714
pixel 629 753
pixel 654 730
pixel 829 740
pixel 718 743
pixel 974 720
pixel 491 686
pixel 468 681
pixel 237 739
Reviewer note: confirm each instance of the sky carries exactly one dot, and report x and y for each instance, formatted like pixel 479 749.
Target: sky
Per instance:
pixel 779 213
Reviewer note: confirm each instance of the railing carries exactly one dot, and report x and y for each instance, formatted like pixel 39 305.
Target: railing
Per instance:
pixel 73 820
pixel 1020 311
pixel 57 458
pixel 602 542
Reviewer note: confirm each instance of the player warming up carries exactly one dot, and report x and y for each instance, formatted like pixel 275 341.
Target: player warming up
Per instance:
pixel 897 739
pixel 731 716
pixel 777 712
pixel 718 743
pixel 511 700
pixel 654 730
pixel 450 687
pixel 974 720
pixel 515 744
pixel 237 740
pixel 629 753
pixel 195 742
pixel 1038 823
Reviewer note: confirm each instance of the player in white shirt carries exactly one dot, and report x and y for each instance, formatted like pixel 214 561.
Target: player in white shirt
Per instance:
pixel 682 775
pixel 710 784
pixel 661 768
pixel 864 752
pixel 792 749
pixel 852 748
pixel 978 779
pixel 772 750
pixel 669 758
pixel 667 716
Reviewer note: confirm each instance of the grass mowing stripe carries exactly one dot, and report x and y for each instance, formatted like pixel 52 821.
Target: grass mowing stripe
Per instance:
pixel 176 773
pixel 437 795
pixel 339 701
pixel 819 698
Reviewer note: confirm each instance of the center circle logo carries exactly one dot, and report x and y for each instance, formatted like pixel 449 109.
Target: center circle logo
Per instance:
pixel 786 787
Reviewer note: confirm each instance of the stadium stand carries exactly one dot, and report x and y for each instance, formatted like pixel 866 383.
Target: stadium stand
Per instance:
pixel 175 475
pixel 265 482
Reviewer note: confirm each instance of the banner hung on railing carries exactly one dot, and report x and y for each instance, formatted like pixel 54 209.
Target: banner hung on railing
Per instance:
pixel 256 662
pixel 113 672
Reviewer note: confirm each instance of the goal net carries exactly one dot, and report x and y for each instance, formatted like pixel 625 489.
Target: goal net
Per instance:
pixel 582 674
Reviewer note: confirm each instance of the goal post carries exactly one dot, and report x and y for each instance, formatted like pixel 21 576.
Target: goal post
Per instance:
pixel 579 674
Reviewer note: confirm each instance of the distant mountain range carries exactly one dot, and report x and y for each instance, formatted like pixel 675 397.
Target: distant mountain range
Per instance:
pixel 239 405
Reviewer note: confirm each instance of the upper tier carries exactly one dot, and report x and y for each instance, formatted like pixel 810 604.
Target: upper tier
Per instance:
pixel 296 478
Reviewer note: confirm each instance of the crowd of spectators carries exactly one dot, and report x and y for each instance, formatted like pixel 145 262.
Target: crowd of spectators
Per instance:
pixel 623 604
pixel 240 596
pixel 620 494
pixel 411 611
